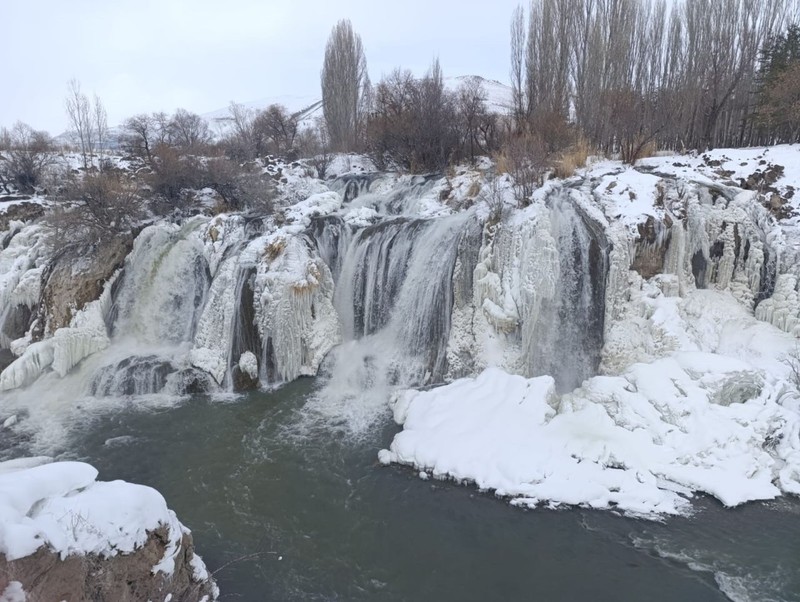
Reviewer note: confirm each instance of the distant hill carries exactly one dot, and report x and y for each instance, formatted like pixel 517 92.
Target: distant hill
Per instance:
pixel 498 94
pixel 306 108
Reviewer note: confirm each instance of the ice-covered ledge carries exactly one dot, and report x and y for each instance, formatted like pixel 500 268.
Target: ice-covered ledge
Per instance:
pixel 642 442
pixel 65 535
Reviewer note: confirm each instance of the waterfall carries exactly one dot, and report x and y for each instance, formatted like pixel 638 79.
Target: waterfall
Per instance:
pixel 394 295
pixel 163 288
pixel 539 291
pixel 332 236
pixel 351 186
pixel 244 336
pixel 157 304
pixel 395 292
pixel 567 334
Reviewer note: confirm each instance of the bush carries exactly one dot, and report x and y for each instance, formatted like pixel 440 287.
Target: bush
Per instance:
pixel 525 158
pixel 172 174
pixel 314 144
pixel 95 207
pixel 26 156
pixel 240 187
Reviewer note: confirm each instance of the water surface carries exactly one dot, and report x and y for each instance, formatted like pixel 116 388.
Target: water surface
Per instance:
pixel 288 512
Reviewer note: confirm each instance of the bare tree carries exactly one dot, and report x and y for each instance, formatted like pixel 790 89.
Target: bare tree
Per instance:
pixel 518 42
pixel 630 73
pixel 26 155
pixel 240 142
pixel 313 143
pixel 415 122
pixel 344 82
pixel 472 111
pixel 5 139
pixel 100 122
pixel 188 131
pixel 276 128
pixel 239 187
pixel 139 137
pixel 79 112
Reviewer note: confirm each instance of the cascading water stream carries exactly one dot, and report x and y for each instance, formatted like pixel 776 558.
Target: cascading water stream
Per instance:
pixel 396 282
pixel 567 335
pixel 156 308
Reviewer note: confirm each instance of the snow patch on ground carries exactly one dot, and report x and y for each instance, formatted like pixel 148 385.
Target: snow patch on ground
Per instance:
pixel 626 194
pixel 13 593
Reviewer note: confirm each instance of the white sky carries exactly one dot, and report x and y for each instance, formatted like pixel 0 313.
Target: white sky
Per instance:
pixel 147 55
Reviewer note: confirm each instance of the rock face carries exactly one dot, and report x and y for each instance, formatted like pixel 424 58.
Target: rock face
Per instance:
pixel 74 279
pixel 23 212
pixel 44 576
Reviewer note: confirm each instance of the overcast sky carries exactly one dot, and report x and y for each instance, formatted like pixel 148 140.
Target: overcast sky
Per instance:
pixel 147 55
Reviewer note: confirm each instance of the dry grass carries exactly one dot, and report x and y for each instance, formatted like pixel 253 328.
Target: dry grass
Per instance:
pixel 275 248
pixel 474 189
pixel 648 150
pixel 502 163
pixel 573 158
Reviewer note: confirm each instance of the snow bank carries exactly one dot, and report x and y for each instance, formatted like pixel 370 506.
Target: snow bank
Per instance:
pixel 321 203
pixel 732 164
pixel 62 506
pixel 626 194
pixel 641 442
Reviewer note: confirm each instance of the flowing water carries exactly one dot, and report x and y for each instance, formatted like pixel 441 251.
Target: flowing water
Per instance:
pixel 288 507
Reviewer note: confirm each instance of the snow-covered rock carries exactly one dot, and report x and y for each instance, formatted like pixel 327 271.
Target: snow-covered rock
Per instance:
pixel 53 513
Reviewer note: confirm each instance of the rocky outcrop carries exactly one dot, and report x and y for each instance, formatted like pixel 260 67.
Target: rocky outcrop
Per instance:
pixel 651 246
pixel 22 212
pixel 77 277
pixel 44 576
pixel 66 536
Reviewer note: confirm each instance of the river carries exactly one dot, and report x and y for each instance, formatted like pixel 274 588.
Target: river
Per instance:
pixel 286 508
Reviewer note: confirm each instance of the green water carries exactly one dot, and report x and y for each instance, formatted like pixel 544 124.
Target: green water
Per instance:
pixel 310 515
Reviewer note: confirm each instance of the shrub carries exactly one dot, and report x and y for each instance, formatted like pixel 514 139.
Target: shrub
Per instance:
pixel 95 207
pixel 240 187
pixel 524 157
pixel 26 156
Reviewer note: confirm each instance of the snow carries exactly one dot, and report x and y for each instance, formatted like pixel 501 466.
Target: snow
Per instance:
pixel 627 195
pixel 640 443
pixel 13 593
pixel 348 163
pixel 734 164
pixel 499 97
pixel 20 272
pixel 708 409
pixel 293 292
pixel 26 369
pixel 61 505
pixel 317 204
pixel 248 363
pixel 67 347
